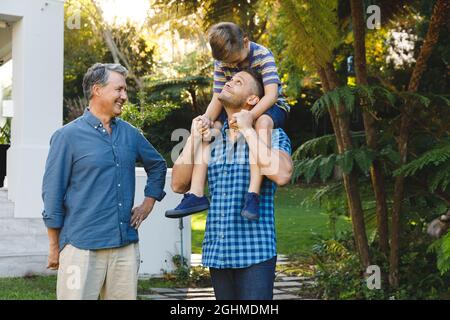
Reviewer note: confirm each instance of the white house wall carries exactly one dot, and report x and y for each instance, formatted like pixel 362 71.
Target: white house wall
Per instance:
pixel 38 53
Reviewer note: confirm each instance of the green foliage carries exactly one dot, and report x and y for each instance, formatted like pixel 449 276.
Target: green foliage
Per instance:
pixel 350 97
pixel 5 132
pixel 310 30
pixel 82 47
pixel 436 161
pixel 245 13
pixel 339 273
pixel 185 276
pixel 442 249
pixel 314 158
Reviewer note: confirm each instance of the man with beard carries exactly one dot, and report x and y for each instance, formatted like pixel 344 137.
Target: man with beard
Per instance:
pixel 240 253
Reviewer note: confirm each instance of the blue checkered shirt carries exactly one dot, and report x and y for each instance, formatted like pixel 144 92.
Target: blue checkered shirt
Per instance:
pixel 232 241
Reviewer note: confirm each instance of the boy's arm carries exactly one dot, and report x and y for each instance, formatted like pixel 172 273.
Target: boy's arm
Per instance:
pixel 214 108
pixel 274 163
pixel 183 166
pixel 266 102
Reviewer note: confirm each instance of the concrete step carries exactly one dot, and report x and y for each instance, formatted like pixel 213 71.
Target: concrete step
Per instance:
pixel 3 194
pixel 21 226
pixel 6 209
pixel 23 244
pixel 23 265
pixel 21 236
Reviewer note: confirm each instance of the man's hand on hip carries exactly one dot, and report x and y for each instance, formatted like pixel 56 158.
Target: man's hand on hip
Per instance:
pixel 139 214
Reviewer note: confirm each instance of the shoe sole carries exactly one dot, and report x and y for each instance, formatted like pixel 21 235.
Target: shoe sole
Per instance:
pixel 249 216
pixel 185 212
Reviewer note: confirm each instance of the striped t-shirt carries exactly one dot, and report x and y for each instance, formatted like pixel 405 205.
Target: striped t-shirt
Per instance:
pixel 262 61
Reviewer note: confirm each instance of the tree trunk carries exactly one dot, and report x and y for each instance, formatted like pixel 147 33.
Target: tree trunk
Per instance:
pixel 340 122
pixel 376 173
pixel 438 17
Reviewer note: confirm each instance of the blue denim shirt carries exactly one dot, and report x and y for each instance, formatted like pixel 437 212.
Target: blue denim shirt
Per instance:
pixel 89 182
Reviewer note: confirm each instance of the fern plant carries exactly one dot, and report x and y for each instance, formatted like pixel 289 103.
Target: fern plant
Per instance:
pixel 436 162
pixel 441 248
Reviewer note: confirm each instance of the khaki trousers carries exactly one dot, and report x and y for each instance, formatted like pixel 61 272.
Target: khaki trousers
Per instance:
pixel 108 274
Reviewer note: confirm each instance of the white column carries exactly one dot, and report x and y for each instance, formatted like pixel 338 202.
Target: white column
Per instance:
pixel 38 53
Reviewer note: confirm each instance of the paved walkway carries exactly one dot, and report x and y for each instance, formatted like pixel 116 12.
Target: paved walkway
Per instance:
pixel 285 288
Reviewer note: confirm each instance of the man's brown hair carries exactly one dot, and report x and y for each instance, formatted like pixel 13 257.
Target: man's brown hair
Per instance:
pixel 259 87
pixel 225 38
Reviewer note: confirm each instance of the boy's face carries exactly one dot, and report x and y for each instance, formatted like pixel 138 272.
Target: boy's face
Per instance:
pixel 239 56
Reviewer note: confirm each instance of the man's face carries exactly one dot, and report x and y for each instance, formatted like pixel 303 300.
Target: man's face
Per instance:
pixel 237 91
pixel 113 95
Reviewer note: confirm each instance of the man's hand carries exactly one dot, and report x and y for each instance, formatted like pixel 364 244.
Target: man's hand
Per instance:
pixel 139 214
pixel 53 257
pixel 243 120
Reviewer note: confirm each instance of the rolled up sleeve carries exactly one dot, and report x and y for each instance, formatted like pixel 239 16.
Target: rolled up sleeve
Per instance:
pixel 155 167
pixel 56 180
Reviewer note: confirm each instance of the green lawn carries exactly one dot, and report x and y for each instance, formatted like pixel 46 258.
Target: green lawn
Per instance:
pixel 295 224
pixel 28 288
pixel 44 287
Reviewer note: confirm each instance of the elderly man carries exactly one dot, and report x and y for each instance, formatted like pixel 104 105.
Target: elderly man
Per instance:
pixel 88 193
pixel 240 253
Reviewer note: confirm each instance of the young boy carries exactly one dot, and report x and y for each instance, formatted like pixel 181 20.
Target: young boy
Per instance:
pixel 233 52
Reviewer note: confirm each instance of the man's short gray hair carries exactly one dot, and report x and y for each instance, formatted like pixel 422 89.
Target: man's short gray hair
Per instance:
pixel 99 74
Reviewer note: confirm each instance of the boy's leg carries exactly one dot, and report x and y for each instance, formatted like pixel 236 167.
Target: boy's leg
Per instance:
pixel 195 200
pixel 264 125
pixel 199 171
pixel 201 159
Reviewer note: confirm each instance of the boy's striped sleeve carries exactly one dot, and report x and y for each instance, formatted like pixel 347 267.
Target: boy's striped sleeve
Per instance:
pixel 219 78
pixel 269 70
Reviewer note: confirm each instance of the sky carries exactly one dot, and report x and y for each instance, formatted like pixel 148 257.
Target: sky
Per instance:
pixel 122 10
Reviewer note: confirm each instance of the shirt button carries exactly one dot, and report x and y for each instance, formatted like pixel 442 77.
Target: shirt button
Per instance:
pixel 120 204
pixel 104 130
pixel 117 164
pixel 118 185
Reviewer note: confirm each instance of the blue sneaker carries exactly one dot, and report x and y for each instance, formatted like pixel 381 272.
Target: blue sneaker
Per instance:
pixel 251 206
pixel 189 205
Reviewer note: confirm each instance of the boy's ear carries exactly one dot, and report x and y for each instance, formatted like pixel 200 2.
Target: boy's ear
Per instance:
pixel 246 41
pixel 252 100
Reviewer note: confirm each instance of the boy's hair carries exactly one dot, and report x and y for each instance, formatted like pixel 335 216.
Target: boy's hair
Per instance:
pixel 259 87
pixel 225 38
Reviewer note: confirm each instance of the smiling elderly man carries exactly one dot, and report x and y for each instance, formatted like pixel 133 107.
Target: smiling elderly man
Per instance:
pixel 88 193
pixel 240 253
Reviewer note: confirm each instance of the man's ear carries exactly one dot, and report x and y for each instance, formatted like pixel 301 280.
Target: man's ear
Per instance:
pixel 96 90
pixel 252 100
